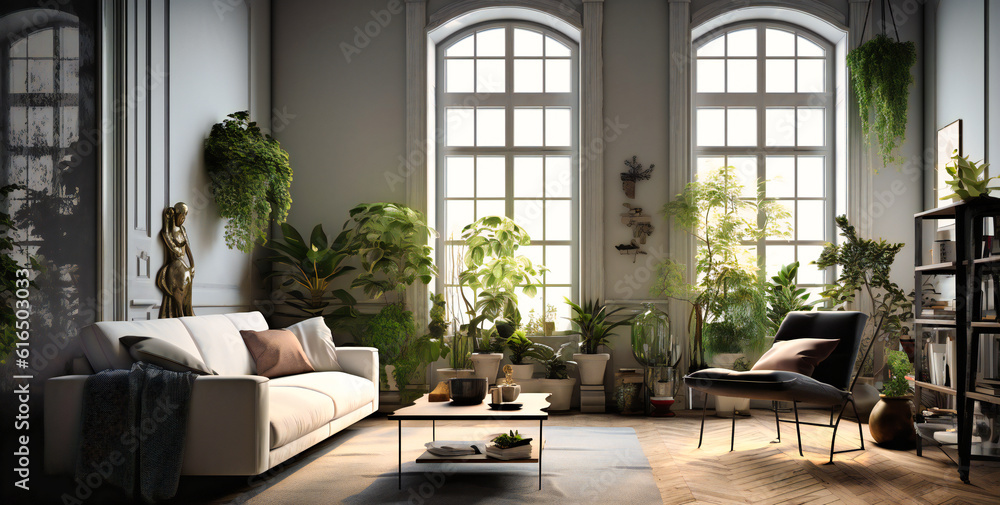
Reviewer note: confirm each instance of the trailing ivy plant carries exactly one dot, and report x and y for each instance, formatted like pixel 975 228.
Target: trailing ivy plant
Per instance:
pixel 250 177
pixel 880 72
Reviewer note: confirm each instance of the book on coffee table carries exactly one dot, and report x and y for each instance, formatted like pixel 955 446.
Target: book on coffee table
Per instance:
pixel 510 453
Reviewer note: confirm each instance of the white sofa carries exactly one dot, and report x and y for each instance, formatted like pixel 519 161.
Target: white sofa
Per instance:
pixel 239 423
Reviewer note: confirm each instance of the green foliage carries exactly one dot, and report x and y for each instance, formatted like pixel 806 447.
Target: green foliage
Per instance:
pixel 716 213
pixel 438 325
pixel 592 320
pixel 880 72
pixel 967 180
pixel 250 177
pixel 461 349
pixel 519 345
pixel 742 364
pixel 494 270
pixel 740 321
pixel 10 281
pixel 492 342
pixel 554 362
pixel 390 330
pixel 391 241
pixel 865 266
pixel 504 441
pixel 899 366
pixel 784 296
pixel 308 268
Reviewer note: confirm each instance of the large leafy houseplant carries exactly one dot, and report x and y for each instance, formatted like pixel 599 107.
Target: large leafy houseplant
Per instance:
pixel 880 72
pixel 308 268
pixel 592 320
pixel 250 177
pixel 717 214
pixel 553 361
pixel 865 265
pixel 784 296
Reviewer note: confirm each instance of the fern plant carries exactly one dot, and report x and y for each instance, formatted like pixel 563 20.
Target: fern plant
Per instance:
pixel 967 180
pixel 250 177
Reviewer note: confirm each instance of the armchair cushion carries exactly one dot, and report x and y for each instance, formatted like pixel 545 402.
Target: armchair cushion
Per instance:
pixel 800 355
pixel 774 385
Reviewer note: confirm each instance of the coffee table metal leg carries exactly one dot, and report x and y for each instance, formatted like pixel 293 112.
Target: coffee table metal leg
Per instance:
pixel 399 469
pixel 541 446
pixel 433 430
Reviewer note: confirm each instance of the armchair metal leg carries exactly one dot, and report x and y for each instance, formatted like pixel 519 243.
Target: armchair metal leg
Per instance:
pixel 732 437
pixel 798 432
pixel 704 407
pixel 857 416
pixel 833 440
pixel 861 436
pixel 777 422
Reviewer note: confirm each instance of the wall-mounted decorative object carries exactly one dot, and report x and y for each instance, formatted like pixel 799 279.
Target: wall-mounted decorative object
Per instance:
pixel 177 276
pixel 641 224
pixel 631 248
pixel 635 173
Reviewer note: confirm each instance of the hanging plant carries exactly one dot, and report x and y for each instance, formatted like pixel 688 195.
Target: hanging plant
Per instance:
pixel 880 72
pixel 250 177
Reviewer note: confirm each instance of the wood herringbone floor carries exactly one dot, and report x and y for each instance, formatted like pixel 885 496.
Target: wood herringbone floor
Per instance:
pixel 760 472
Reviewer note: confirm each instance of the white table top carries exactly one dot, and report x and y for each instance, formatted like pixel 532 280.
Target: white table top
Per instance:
pixel 424 410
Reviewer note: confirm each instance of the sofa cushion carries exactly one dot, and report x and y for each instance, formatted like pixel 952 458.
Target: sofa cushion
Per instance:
pixel 220 344
pixel 248 320
pixel 104 351
pixel 348 392
pixel 164 355
pixel 317 342
pixel 295 412
pixel 277 353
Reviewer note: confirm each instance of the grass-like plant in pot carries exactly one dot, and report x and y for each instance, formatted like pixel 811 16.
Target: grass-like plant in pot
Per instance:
pixel 719 216
pixel 591 319
pixel 891 420
pixel 250 177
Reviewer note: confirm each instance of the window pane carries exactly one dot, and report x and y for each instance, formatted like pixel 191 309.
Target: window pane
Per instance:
pixel 780 43
pixel 777 257
pixel 527 43
pixel 459 76
pixel 812 76
pixel 780 76
pixel 742 42
pixel 708 164
pixel 528 215
pixel 18 76
pixel 464 47
pixel 812 178
pixel 491 42
pixel 746 173
pixel 490 127
pixel 715 47
pixel 741 76
pixel 19 49
pixel 554 297
pixel 711 127
pixel 558 177
pixel 40 123
pixel 528 177
pixel 527 76
pixel 809 48
pixel 558 126
pixel 527 126
pixel 69 41
pixel 491 179
pixel 490 76
pixel 40 76
pixel 69 130
pixel 810 126
pixel 811 220
pixel 486 208
pixel 18 135
pixel 810 274
pixel 780 176
pixel 559 260
pixel 555 48
pixel 459 213
pixel 785 224
pixel 557 76
pixel 459 128
pixel 558 222
pixel 40 44
pixel 459 176
pixel 711 76
pixel 70 78
pixel 741 127
pixel 780 127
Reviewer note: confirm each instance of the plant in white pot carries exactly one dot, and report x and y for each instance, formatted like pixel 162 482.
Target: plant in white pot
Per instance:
pixel 518 344
pixel 557 381
pixel 592 320
pixel 486 360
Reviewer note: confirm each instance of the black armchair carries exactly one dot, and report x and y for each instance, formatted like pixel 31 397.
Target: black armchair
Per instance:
pixel 828 385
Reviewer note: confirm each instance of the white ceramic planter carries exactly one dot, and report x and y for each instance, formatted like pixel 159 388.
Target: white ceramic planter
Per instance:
pixel 487 365
pixel 592 367
pixel 728 406
pixel 523 372
pixel 561 392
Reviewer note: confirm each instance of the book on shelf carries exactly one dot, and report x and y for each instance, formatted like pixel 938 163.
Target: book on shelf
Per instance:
pixel 510 453
pixel 988 390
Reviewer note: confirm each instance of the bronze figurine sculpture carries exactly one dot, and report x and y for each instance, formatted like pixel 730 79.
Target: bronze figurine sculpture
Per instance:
pixel 176 277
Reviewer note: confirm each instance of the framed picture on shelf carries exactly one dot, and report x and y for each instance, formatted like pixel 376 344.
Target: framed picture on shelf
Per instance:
pixel 949 139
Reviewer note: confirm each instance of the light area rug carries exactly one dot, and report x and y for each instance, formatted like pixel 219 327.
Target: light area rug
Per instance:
pixel 579 465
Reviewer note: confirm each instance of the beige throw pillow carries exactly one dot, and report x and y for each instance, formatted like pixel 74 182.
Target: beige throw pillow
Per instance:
pixel 164 355
pixel 317 342
pixel 277 353
pixel 799 355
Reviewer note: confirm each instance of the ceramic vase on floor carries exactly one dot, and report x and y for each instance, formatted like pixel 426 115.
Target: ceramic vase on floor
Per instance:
pixel 592 367
pixel 891 423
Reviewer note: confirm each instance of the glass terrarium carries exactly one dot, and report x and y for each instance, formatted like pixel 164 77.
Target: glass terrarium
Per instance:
pixel 654 348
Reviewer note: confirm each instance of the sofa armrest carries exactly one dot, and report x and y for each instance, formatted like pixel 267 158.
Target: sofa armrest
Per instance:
pixel 363 362
pixel 228 427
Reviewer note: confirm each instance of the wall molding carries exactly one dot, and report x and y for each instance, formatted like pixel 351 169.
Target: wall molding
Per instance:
pixel 592 152
pixel 561 10
pixel 818 9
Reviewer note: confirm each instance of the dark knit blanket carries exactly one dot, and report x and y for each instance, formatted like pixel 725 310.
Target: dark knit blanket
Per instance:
pixel 133 429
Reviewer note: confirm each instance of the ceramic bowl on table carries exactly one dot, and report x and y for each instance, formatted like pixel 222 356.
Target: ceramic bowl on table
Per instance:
pixel 468 390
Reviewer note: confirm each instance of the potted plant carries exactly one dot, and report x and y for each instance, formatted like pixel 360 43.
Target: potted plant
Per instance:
pixel 880 73
pixel 306 271
pixel 592 320
pixel 784 296
pixel 549 321
pixel 250 177
pixel 729 406
pixel 486 360
pixel 891 420
pixel 557 380
pixel 519 346
pixel 968 179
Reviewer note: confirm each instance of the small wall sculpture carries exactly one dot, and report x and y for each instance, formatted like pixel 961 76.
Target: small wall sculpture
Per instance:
pixel 635 173
pixel 641 224
pixel 176 278
pixel 630 249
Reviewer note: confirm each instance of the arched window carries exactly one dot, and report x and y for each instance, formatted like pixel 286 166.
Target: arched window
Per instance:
pixel 507 101
pixel 764 99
